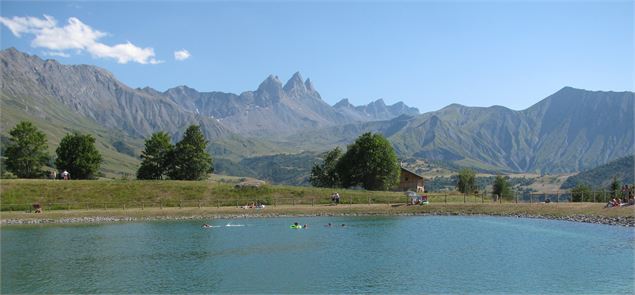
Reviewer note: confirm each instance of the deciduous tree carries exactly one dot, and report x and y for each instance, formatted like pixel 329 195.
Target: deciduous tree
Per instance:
pixel 466 179
pixel 370 162
pixel 78 155
pixel 501 187
pixel 26 151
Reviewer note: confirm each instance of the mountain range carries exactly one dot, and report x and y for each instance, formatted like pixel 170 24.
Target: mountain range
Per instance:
pixel 571 130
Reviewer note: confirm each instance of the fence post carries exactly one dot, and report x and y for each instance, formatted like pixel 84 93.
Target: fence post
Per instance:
pixel 142 205
pixel 464 196
pixel 368 200
pixel 594 197
pixel 516 196
pixel 124 206
pixel 199 204
pixel 105 206
pixel 558 197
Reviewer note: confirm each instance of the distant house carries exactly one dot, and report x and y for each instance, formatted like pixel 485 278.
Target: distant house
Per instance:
pixel 410 181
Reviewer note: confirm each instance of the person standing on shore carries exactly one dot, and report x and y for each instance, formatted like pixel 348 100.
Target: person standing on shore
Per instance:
pixel 66 175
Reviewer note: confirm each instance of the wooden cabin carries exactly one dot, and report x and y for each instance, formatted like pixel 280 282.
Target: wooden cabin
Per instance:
pixel 410 181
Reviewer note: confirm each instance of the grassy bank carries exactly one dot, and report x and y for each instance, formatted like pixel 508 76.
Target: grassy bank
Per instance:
pixel 128 199
pixel 19 194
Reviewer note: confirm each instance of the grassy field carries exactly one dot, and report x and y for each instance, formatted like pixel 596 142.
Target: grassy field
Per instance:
pixel 220 197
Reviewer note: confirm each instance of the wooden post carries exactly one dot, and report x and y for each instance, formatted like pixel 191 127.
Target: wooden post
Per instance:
pixel 142 205
pixel 516 196
pixel 124 206
pixel 179 203
pixel 368 200
pixel 558 197
pixel 199 204
pixel 464 196
pixel 105 206
pixel 594 201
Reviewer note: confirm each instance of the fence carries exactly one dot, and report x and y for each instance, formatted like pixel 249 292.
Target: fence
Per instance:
pixel 435 198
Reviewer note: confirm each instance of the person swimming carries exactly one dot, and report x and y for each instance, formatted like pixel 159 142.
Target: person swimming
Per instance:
pixel 205 225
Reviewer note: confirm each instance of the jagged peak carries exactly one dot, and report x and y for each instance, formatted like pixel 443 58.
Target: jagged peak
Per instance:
pixel 309 86
pixel 271 83
pixel 343 103
pixel 379 102
pixel 295 83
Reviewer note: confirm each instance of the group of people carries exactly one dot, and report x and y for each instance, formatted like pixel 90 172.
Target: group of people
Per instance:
pixel 627 199
pixel 254 205
pixel 65 175
pixel 335 198
pixel 298 226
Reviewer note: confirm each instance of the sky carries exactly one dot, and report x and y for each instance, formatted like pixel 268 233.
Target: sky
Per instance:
pixel 428 54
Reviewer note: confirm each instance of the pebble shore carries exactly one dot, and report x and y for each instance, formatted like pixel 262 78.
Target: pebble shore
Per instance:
pixel 618 221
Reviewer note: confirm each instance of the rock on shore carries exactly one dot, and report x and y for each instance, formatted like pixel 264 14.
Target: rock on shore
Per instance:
pixel 619 221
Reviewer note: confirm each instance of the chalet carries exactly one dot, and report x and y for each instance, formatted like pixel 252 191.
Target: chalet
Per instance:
pixel 410 181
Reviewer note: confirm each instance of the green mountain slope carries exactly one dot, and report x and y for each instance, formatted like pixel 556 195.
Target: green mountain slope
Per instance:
pixel 600 177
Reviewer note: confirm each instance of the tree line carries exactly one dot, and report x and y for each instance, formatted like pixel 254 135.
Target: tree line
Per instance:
pixel 27 153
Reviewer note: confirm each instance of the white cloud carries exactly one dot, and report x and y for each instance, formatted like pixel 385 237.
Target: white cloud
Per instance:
pixel 76 35
pixel 182 54
pixel 56 53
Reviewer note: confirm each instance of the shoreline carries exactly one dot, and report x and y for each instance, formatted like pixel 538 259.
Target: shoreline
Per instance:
pixel 624 217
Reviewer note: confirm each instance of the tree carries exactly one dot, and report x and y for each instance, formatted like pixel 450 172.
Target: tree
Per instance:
pixel 501 187
pixel 77 155
pixel 26 151
pixel 615 186
pixel 189 160
pixel 581 193
pixel 369 162
pixel 155 157
pixel 466 179
pixel 325 174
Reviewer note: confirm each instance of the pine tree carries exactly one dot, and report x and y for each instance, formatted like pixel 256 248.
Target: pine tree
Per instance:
pixel 189 159
pixel 325 174
pixel 155 157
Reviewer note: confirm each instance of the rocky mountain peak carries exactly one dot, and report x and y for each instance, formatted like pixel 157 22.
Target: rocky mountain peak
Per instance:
pixel 309 86
pixel 344 103
pixel 295 85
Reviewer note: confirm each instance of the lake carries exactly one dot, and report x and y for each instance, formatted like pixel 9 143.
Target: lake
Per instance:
pixel 423 254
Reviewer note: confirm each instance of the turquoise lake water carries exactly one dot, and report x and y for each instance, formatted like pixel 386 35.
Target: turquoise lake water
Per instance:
pixel 369 255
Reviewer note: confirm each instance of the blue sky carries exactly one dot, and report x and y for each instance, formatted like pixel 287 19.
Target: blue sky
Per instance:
pixel 427 54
